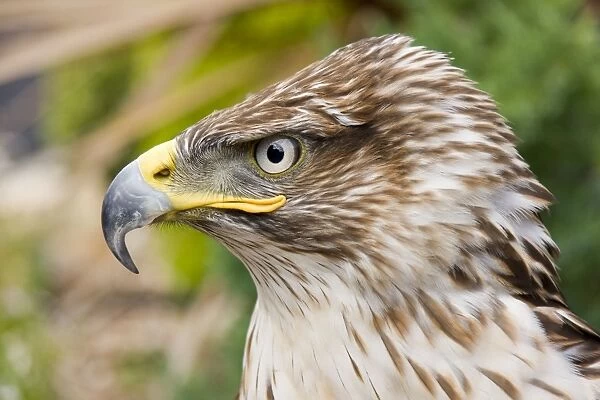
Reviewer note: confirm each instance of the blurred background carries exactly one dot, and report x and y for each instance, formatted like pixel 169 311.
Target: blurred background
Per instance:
pixel 86 85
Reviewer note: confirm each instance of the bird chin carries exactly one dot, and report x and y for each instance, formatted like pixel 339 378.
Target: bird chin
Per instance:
pixel 201 218
pixel 197 213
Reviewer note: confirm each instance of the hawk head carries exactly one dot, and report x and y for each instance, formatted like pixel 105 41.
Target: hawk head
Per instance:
pixel 379 166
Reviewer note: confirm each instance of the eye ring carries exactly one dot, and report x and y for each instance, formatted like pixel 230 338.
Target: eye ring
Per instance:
pixel 277 154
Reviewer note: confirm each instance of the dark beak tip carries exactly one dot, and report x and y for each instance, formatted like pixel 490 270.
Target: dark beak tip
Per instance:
pixel 119 250
pixel 125 258
pixel 133 269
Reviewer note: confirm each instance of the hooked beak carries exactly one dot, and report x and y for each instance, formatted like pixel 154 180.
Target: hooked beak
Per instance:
pixel 129 203
pixel 144 191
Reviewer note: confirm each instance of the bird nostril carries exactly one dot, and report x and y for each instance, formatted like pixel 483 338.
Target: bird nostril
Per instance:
pixel 162 174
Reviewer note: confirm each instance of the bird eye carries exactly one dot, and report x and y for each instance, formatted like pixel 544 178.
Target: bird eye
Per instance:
pixel 277 154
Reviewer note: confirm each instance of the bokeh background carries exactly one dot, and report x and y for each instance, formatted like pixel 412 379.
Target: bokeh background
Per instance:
pixel 86 85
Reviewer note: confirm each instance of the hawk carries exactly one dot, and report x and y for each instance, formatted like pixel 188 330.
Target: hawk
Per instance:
pixel 391 229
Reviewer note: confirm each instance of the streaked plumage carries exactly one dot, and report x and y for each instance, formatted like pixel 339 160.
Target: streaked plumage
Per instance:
pixel 408 261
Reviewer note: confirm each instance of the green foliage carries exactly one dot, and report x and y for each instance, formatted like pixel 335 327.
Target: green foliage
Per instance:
pixel 136 369
pixel 220 379
pixel 84 93
pixel 26 351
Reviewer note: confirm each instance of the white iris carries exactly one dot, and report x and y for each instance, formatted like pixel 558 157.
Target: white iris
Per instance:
pixel 277 154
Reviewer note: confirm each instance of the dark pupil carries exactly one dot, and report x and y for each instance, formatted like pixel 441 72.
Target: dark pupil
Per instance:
pixel 275 153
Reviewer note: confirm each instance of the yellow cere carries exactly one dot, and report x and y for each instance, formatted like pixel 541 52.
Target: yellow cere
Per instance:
pixel 154 161
pixel 161 158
